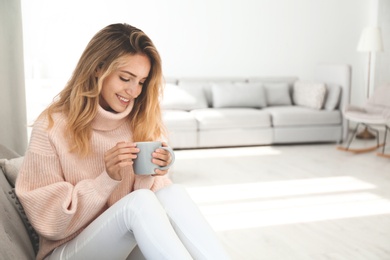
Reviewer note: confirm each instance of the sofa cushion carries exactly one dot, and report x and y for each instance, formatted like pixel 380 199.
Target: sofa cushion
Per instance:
pixel 238 95
pixel 296 116
pixel 11 168
pixel 332 98
pixel 219 118
pixel 206 84
pixel 183 97
pixel 179 120
pixel 309 94
pixel 277 94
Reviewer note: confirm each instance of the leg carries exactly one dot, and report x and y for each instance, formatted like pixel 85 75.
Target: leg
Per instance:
pixel 353 135
pixel 136 218
pixel 385 139
pixel 189 224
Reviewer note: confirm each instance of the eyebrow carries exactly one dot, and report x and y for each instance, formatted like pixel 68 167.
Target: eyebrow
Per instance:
pixel 132 74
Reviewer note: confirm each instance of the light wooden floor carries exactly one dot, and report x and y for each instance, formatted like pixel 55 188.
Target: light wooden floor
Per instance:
pixel 292 202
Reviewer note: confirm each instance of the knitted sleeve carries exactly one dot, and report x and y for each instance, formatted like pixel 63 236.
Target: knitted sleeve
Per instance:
pixel 56 207
pixel 153 183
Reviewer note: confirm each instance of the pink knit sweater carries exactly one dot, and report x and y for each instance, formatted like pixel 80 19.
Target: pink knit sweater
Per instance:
pixel 62 192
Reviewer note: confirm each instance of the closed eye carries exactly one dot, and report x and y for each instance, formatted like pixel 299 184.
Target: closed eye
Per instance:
pixel 124 79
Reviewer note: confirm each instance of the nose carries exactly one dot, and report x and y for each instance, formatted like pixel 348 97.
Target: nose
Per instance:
pixel 134 89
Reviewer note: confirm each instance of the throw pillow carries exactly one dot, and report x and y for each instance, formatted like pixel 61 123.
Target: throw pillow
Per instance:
pixel 238 95
pixel 277 94
pixel 181 98
pixel 308 94
pixel 29 228
pixel 11 168
pixel 332 99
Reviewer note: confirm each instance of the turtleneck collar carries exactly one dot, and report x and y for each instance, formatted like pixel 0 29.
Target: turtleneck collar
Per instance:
pixel 106 121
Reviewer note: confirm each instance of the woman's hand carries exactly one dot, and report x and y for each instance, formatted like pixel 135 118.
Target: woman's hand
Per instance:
pixel 162 158
pixel 121 155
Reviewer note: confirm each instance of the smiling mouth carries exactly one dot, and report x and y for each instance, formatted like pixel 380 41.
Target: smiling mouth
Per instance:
pixel 125 100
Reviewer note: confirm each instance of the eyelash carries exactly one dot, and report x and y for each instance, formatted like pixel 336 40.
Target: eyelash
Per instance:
pixel 127 80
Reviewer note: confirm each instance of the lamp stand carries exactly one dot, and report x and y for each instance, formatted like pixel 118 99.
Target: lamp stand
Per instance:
pixel 366 134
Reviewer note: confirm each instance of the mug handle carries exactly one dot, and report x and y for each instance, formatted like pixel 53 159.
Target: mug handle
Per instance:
pixel 170 150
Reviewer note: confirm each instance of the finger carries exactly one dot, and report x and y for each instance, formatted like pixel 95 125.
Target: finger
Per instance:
pixel 120 147
pixel 125 163
pixel 126 156
pixel 160 162
pixel 159 172
pixel 125 148
pixel 122 153
pixel 113 159
pixel 164 156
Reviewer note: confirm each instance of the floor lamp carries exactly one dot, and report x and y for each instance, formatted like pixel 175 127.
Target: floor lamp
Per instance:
pixel 370 41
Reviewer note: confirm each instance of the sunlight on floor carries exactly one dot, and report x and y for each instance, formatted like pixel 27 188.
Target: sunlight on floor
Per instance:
pixel 229 207
pixel 276 189
pixel 226 152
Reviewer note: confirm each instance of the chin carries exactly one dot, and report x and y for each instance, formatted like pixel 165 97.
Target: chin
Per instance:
pixel 120 109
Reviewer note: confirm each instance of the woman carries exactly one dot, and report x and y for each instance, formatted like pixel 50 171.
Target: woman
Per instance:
pixel 77 183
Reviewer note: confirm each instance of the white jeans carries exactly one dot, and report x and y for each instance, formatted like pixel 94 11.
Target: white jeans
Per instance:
pixel 165 225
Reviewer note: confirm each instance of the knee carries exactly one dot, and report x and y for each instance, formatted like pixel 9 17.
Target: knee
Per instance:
pixel 173 192
pixel 171 189
pixel 140 201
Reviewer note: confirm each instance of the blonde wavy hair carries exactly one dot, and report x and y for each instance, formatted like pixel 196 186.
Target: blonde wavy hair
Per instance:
pixel 79 100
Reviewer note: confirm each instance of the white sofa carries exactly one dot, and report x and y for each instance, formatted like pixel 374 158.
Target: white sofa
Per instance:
pixel 224 112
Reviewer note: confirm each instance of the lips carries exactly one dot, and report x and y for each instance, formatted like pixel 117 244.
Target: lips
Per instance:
pixel 123 99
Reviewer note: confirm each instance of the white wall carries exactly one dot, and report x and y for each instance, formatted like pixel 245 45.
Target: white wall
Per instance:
pixel 207 37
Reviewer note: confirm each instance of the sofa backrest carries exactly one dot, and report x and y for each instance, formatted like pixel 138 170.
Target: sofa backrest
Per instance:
pixel 206 84
pixel 338 75
pixel 289 80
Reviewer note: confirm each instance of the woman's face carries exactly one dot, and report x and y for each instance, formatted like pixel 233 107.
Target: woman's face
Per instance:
pixel 122 86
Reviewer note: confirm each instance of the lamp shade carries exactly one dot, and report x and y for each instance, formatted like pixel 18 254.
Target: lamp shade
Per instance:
pixel 370 40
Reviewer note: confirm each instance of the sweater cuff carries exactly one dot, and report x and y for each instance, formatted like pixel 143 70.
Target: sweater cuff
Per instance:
pixel 160 182
pixel 150 182
pixel 105 184
pixel 143 182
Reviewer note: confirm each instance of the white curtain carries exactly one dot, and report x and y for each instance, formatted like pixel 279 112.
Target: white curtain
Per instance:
pixel 382 59
pixel 13 123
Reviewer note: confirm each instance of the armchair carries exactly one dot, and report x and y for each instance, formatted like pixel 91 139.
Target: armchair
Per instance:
pixel 376 112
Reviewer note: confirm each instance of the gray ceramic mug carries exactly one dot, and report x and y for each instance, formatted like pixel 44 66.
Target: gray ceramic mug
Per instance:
pixel 143 164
